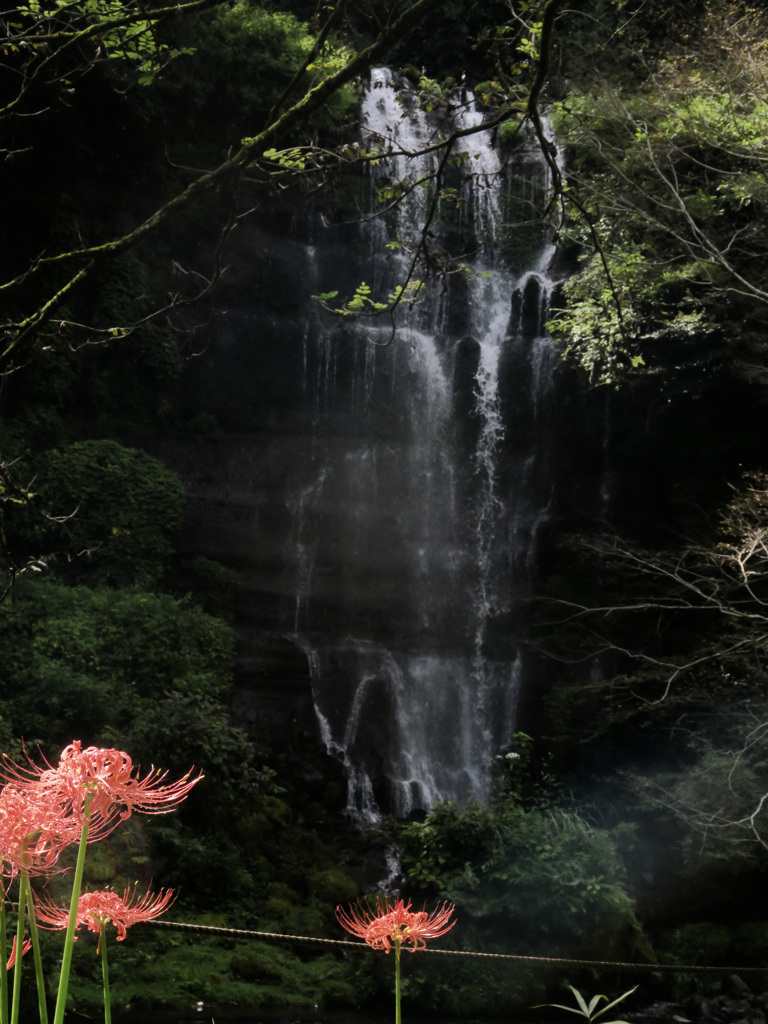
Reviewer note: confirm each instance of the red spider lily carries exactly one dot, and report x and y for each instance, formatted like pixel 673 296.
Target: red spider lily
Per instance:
pixel 95 910
pixel 105 781
pixel 24 949
pixel 110 776
pixel 396 924
pixel 31 830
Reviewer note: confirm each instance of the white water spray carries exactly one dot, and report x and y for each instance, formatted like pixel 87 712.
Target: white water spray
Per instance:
pixel 437 502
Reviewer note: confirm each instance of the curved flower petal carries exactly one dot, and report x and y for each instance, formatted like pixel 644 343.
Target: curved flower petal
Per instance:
pixel 25 948
pixel 31 830
pixel 102 779
pixel 395 923
pixel 108 777
pixel 97 909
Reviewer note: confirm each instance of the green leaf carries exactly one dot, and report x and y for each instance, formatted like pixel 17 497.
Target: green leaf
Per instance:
pixel 580 1000
pixel 559 1006
pixel 615 1003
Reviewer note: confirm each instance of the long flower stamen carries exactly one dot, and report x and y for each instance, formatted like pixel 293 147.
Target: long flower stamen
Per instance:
pixel 396 923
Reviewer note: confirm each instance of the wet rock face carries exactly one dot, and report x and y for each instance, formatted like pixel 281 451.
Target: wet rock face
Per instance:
pixel 380 490
pixel 268 710
pixel 527 308
pixel 725 1000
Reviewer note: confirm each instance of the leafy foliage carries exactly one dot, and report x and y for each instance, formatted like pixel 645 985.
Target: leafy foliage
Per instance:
pixel 76 35
pixel 590 1010
pixel 681 695
pixel 245 57
pixel 112 512
pixel 362 303
pixel 163 969
pixel 497 862
pixel 670 199
pixel 80 661
pixel 491 861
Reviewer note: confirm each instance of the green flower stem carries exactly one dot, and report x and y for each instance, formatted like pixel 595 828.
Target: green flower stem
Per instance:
pixel 34 932
pixel 16 999
pixel 105 974
pixel 3 961
pixel 397 982
pixel 69 938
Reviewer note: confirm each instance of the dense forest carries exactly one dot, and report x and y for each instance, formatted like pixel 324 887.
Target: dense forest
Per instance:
pixel 629 823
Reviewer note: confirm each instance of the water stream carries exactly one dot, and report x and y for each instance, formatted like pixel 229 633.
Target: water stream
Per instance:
pixel 426 481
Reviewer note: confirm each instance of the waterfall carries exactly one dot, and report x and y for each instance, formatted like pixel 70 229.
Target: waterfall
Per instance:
pixel 417 503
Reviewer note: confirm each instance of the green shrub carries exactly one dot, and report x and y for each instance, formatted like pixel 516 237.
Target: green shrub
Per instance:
pixel 537 881
pixel 244 58
pixel 120 510
pixel 700 943
pixel 750 943
pixel 80 662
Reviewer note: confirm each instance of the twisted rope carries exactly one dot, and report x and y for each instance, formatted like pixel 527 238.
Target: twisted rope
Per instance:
pixel 565 961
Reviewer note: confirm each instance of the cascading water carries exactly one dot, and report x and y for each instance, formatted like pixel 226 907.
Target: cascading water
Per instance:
pixel 415 514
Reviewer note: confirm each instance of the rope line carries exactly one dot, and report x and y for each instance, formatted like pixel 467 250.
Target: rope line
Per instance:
pixel 361 946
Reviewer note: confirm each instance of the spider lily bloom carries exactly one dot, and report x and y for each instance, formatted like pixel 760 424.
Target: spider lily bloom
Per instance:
pixel 95 789
pixel 109 774
pixel 102 782
pixel 95 910
pixel 31 829
pixel 396 924
pixel 32 835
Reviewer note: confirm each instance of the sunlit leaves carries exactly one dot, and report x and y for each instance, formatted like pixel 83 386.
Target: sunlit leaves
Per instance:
pixel 363 302
pixel 393 191
pixel 431 93
pixel 672 197
pixel 362 297
pixel 606 329
pixel 290 159
pixel 111 31
pixel 528 46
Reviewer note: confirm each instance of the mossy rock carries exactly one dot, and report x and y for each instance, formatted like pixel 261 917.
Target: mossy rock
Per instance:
pixel 700 943
pixel 255 966
pixel 750 943
pixel 333 885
